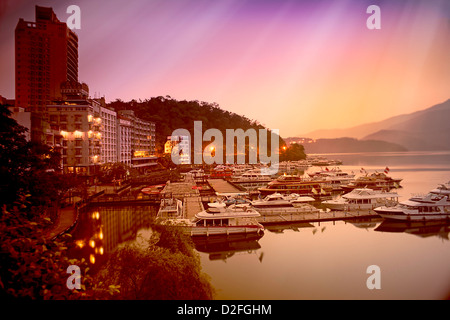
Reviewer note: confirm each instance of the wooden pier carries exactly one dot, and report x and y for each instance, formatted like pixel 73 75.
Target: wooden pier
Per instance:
pixel 316 216
pixel 223 187
pixel 186 191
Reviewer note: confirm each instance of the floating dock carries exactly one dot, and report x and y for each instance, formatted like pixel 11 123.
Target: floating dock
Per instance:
pixel 316 216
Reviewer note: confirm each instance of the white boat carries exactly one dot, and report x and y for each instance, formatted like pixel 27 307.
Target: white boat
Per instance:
pixel 430 207
pixel 277 203
pixel 170 208
pixel 252 180
pixel 221 221
pixel 442 189
pixel 362 199
pixel 336 177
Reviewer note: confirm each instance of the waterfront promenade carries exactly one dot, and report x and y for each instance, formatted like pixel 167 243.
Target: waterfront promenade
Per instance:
pixel 67 217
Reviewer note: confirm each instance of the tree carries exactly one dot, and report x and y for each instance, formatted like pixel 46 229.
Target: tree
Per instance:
pixel 168 268
pixel 292 153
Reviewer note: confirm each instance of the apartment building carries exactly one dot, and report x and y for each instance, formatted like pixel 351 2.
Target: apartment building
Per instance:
pixel 142 141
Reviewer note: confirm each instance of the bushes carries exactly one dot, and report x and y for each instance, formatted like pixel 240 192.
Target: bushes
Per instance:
pixel 168 269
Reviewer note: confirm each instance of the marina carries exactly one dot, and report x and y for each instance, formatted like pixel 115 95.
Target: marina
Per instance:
pixel 292 244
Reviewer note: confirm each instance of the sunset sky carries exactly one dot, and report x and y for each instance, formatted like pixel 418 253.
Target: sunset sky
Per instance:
pixel 296 66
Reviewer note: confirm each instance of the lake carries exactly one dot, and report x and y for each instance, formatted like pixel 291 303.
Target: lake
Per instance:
pixel 327 260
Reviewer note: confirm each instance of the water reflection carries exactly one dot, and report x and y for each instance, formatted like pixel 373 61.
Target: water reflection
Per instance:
pixel 365 223
pixel 100 230
pixel 224 247
pixel 280 228
pixel 440 229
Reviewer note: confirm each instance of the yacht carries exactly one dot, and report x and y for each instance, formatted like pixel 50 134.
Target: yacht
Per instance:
pixel 430 207
pixel 442 189
pixel 362 199
pixel 277 203
pixel 374 181
pixel 221 221
pixel 336 177
pixel 252 180
pixel 287 184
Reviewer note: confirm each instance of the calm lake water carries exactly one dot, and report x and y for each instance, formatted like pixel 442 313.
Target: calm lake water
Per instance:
pixel 326 260
pixel 329 260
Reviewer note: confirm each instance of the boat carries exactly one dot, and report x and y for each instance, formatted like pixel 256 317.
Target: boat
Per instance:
pixel 442 189
pixel 362 199
pixel 287 184
pixel 277 203
pixel 374 181
pixel 170 208
pixel 430 207
pixel 221 221
pixel 251 180
pixel 336 177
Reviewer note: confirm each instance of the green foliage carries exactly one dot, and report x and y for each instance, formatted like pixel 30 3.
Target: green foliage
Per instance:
pixel 114 171
pixel 32 266
pixel 170 114
pixel 28 168
pixel 293 153
pixel 168 268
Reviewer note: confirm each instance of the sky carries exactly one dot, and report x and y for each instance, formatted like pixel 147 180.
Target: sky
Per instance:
pixel 292 65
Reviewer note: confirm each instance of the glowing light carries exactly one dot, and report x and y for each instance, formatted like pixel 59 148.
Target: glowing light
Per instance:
pixel 101 250
pixel 92 258
pixel 80 243
pixel 92 243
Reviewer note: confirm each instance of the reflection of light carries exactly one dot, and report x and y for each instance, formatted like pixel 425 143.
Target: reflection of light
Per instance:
pixel 80 243
pixel 92 243
pixel 92 258
pixel 95 215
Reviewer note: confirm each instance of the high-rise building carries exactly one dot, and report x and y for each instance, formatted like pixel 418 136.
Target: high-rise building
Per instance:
pixel 46 54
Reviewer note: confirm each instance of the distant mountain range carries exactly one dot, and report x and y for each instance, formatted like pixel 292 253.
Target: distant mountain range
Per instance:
pixel 423 130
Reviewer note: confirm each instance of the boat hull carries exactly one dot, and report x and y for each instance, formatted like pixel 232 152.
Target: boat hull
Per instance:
pixel 396 215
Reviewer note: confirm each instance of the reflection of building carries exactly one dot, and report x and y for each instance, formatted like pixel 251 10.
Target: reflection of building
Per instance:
pixel 179 145
pixel 142 141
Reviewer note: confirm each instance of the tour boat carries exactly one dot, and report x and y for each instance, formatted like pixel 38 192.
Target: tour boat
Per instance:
pixel 362 199
pixel 430 207
pixel 374 181
pixel 251 180
pixel 288 184
pixel 442 189
pixel 221 221
pixel 336 177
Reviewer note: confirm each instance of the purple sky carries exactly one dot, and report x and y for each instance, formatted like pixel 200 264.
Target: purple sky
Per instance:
pixel 295 66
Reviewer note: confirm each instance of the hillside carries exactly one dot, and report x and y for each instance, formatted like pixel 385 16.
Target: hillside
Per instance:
pixel 427 129
pixel 170 114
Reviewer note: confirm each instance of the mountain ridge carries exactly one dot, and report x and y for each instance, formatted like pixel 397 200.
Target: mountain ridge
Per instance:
pixel 426 129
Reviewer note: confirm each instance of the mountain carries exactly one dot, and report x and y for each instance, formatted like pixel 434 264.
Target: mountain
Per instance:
pixel 427 129
pixel 350 145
